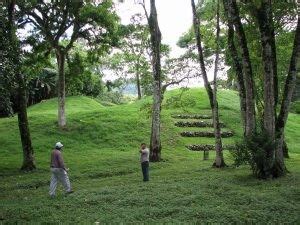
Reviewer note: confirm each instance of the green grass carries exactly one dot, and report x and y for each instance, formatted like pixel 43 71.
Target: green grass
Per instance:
pixel 101 150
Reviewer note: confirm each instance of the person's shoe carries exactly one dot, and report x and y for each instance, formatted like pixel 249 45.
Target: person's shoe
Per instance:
pixel 69 192
pixel 52 196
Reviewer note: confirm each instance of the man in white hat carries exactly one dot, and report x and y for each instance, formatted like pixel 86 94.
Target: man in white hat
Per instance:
pixel 59 171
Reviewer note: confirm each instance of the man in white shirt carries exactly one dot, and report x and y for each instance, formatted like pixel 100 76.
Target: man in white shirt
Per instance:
pixel 145 161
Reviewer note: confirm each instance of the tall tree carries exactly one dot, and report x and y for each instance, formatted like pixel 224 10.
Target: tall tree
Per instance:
pixel 14 56
pixel 136 48
pixel 289 87
pixel 235 20
pixel 155 143
pixel 219 161
pixel 237 66
pixel 264 15
pixel 271 162
pixel 59 24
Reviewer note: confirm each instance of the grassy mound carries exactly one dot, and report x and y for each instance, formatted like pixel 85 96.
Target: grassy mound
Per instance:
pixel 101 150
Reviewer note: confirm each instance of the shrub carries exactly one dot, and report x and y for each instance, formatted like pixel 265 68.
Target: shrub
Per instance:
pixel 255 152
pixel 111 96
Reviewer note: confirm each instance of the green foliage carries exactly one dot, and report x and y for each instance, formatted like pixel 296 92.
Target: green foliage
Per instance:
pixel 114 97
pixel 42 87
pixel 253 151
pixel 6 66
pixel 58 25
pixel 207 12
pixel 81 76
pixel 146 108
pixel 177 101
pixel 295 107
pixel 9 60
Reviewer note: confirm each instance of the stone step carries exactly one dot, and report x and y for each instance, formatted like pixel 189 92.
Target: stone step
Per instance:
pixel 196 124
pixel 224 134
pixel 207 147
pixel 191 116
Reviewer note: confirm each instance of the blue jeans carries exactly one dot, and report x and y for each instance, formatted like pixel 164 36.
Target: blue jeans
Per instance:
pixel 145 170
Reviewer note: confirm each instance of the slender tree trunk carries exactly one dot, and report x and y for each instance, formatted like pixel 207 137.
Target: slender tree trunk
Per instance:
pixel 237 67
pixel 138 83
pixel 286 100
pixel 155 143
pixel 219 162
pixel 60 57
pixel 234 18
pixel 28 155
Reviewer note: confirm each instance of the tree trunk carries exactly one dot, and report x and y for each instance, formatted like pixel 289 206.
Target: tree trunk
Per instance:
pixel 286 100
pixel 155 143
pixel 285 149
pixel 219 161
pixel 234 18
pixel 28 154
pixel 264 18
pixel 138 83
pixel 60 57
pixel 237 67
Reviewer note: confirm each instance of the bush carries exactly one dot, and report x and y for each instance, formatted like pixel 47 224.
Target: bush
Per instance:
pixel 111 96
pixel 255 152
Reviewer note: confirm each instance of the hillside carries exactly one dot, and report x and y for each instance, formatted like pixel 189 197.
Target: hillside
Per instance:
pixel 101 150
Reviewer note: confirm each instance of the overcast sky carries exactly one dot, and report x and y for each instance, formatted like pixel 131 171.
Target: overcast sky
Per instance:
pixel 174 17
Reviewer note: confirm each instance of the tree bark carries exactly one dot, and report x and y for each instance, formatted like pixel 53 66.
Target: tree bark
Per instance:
pixel 264 18
pixel 28 154
pixel 219 161
pixel 138 83
pixel 234 18
pixel 155 143
pixel 237 67
pixel 286 100
pixel 60 57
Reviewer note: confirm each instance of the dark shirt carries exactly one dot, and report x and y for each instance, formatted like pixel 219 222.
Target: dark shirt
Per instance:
pixel 57 160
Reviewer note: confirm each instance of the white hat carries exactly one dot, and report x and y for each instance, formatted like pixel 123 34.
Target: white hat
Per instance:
pixel 59 145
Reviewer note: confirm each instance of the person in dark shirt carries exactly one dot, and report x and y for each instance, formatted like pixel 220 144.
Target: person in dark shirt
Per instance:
pixel 58 171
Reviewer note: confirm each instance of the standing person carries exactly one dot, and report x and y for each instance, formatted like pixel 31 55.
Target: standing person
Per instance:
pixel 59 171
pixel 145 161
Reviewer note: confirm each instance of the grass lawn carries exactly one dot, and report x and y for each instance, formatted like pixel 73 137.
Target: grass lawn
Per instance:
pixel 101 150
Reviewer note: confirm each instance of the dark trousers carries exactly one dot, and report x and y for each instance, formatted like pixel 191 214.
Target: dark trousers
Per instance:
pixel 145 170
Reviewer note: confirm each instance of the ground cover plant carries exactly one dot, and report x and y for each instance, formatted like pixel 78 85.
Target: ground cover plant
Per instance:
pixel 101 150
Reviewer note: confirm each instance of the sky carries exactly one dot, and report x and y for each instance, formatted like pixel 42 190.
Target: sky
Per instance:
pixel 174 18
